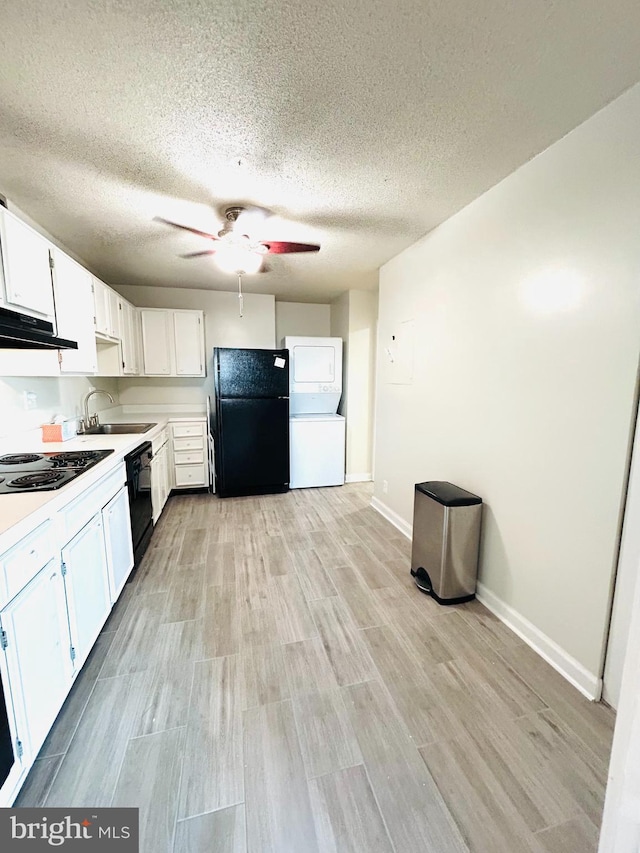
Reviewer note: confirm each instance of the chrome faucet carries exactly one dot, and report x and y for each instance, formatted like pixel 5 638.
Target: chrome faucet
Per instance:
pixel 90 421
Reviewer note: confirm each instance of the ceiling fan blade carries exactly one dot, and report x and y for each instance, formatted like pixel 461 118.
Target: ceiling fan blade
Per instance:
pixel 199 254
pixel 185 228
pixel 284 248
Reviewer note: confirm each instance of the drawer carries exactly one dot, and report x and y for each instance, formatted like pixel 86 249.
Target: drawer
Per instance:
pixel 25 559
pixel 195 443
pixel 185 457
pixel 187 430
pixel 189 476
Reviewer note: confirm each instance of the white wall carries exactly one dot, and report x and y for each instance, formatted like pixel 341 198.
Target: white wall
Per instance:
pixel 526 404
pixel 54 396
pixel 223 327
pixel 301 318
pixel 353 318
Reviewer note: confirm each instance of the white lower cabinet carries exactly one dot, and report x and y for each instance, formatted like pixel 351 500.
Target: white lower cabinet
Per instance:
pixel 159 482
pixel 160 474
pixel 190 470
pixel 57 587
pixel 84 566
pixel 37 647
pixel 117 540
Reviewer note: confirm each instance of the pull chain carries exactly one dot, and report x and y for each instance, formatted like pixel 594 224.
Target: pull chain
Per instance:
pixel 240 296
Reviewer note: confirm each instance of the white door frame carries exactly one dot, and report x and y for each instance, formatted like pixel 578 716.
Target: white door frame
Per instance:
pixel 620 831
pixel 624 582
pixel 621 820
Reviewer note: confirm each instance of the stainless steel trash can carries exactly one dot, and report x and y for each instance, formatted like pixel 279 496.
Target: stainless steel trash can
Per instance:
pixel 446 539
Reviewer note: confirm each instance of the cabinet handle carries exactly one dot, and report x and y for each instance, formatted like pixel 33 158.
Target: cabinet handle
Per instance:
pixel 53 576
pixel 32 552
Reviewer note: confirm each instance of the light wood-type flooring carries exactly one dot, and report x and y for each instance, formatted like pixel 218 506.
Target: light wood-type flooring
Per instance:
pixel 271 681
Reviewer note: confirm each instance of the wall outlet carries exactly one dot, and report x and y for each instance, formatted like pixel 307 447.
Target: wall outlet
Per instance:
pixel 30 400
pixel 385 486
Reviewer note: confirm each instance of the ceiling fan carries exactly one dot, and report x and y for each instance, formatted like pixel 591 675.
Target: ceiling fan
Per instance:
pixel 236 249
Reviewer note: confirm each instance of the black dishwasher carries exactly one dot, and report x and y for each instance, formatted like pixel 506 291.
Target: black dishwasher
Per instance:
pixel 138 464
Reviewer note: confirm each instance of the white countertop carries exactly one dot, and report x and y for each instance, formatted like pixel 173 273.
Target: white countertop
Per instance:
pixel 21 513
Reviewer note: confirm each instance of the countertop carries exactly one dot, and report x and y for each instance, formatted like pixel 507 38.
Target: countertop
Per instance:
pixel 21 513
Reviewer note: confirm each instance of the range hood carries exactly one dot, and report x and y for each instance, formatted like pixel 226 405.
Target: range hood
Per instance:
pixel 20 331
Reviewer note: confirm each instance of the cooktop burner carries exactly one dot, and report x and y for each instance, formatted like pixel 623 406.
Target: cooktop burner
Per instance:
pixel 19 458
pixel 31 480
pixel 39 472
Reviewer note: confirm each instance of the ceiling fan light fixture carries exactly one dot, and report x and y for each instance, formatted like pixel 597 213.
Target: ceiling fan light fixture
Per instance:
pixel 234 258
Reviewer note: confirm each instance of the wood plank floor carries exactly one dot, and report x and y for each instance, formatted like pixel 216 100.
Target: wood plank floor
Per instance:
pixel 271 681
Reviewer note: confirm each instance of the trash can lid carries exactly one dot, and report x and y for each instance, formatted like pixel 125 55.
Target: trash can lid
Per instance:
pixel 448 494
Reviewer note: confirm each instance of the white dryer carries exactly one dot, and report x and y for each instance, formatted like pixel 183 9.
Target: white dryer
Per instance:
pixel 315 374
pixel 316 450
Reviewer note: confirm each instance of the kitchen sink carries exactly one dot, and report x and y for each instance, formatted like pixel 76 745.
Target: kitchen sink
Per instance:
pixel 118 429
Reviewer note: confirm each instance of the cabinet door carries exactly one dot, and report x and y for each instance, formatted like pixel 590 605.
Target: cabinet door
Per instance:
pixel 127 334
pixel 38 652
pixel 10 739
pixel 117 535
pixel 101 307
pixel 85 575
pixel 156 342
pixel 156 489
pixel 189 343
pixel 25 257
pixel 164 476
pixel 114 313
pixel 72 286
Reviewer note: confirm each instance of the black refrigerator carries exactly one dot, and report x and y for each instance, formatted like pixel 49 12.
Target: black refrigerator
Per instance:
pixel 251 421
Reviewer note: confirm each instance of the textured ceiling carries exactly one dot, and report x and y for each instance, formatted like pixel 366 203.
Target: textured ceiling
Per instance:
pixel 361 125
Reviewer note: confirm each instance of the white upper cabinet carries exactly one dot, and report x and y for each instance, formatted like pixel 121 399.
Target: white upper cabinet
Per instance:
pixel 114 313
pixel 172 342
pixel 27 274
pixel 72 286
pixel 189 343
pixel 157 333
pixel 107 310
pixel 101 307
pixel 129 336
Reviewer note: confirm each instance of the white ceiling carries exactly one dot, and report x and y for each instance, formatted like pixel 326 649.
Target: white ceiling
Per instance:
pixel 360 124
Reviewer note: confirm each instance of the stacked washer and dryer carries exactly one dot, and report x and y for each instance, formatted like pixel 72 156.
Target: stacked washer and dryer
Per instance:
pixel 316 431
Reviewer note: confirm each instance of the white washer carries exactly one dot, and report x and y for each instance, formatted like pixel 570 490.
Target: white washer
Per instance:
pixel 316 445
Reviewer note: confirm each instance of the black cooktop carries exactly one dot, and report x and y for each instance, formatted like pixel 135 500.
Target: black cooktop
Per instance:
pixel 39 472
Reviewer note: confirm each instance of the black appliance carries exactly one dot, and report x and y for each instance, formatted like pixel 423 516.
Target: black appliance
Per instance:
pixel 7 755
pixel 138 464
pixel 42 472
pixel 251 421
pixel 20 331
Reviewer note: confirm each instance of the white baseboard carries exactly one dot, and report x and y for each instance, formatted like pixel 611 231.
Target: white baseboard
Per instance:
pixel 571 669
pixel 575 673
pixel 358 478
pixel 392 516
